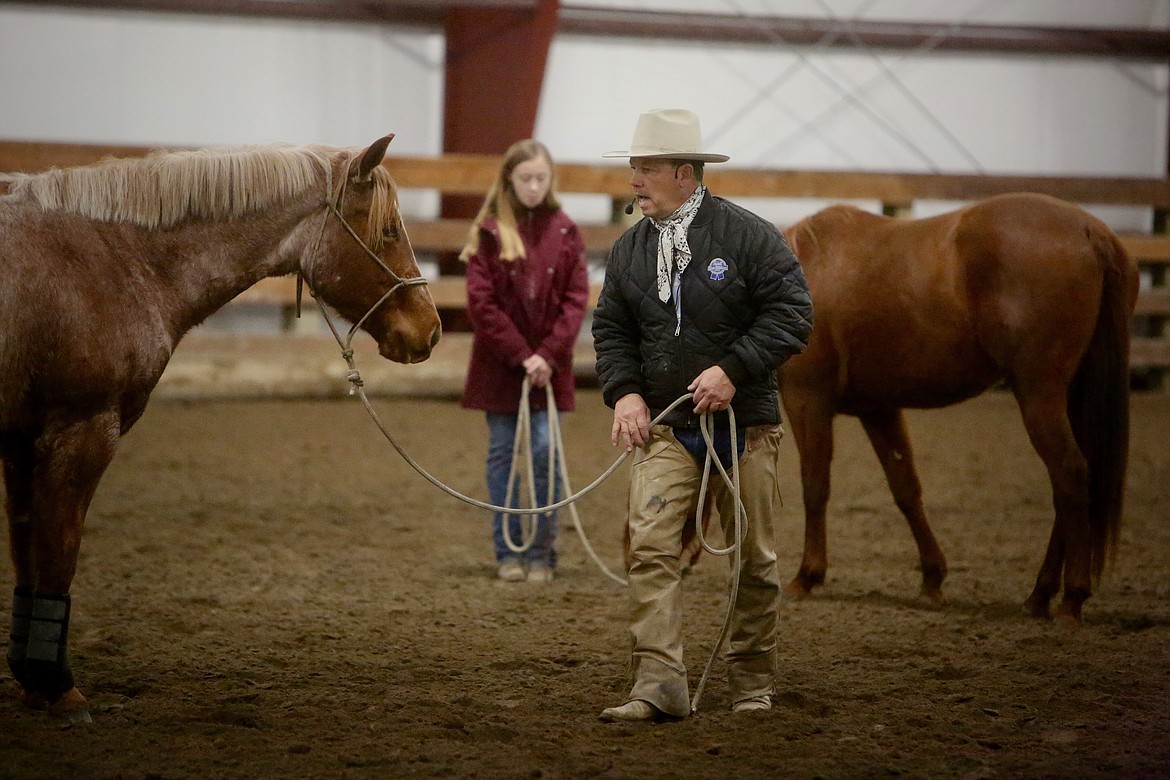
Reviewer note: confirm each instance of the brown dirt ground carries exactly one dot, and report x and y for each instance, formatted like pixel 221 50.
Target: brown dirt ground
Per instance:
pixel 267 590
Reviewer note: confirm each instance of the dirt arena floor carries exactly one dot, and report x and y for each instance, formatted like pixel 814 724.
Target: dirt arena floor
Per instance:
pixel 266 590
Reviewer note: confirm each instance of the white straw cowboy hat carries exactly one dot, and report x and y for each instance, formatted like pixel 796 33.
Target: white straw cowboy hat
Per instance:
pixel 668 132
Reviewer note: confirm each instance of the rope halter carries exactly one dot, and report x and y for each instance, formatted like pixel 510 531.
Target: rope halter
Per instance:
pixel 332 206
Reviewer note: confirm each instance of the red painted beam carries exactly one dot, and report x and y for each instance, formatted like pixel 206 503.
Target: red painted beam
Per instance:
pixel 494 74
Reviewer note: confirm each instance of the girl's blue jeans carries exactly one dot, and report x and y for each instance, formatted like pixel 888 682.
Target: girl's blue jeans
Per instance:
pixel 501 439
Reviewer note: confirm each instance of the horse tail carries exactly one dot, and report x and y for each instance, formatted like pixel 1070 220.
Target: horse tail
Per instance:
pixel 1098 401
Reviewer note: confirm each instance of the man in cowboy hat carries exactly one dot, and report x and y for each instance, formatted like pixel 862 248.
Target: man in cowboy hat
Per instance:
pixel 701 297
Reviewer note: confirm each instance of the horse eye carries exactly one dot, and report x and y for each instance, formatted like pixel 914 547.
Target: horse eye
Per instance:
pixel 390 232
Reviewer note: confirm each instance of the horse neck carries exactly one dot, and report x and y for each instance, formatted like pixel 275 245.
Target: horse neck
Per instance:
pixel 209 262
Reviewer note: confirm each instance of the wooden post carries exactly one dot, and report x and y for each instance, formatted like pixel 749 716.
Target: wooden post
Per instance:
pixel 1154 326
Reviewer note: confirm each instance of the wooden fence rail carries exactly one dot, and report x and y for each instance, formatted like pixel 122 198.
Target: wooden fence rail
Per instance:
pixel 473 174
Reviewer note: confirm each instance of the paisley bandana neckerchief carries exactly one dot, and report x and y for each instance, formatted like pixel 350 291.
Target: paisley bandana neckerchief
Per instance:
pixel 674 253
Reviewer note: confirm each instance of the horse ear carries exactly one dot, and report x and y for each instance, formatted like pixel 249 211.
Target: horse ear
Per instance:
pixel 372 157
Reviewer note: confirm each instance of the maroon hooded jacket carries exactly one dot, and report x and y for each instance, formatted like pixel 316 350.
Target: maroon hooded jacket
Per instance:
pixel 533 304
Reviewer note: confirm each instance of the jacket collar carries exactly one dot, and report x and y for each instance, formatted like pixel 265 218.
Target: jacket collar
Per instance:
pixel 706 210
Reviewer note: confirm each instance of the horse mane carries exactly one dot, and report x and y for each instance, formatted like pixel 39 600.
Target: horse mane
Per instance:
pixel 165 187
pixel 383 208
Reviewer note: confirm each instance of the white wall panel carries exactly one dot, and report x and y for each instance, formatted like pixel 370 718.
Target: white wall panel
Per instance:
pixel 150 78
pixel 829 109
pixel 140 78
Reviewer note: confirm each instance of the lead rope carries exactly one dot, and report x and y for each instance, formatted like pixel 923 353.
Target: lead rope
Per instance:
pixel 522 448
pixel 558 469
pixel 735 548
pixel 358 385
pixel 522 453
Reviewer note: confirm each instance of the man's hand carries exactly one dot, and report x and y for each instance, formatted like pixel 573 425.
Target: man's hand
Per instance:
pixel 712 390
pixel 537 369
pixel 631 422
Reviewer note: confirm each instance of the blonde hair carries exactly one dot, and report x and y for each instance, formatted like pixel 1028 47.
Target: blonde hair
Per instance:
pixel 501 201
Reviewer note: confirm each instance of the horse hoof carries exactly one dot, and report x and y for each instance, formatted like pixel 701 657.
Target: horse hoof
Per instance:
pixel 1037 608
pixel 1068 615
pixel 932 598
pixel 795 590
pixel 71 708
pixel 34 700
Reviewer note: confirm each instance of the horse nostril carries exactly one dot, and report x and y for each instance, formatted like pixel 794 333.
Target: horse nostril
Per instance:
pixel 436 334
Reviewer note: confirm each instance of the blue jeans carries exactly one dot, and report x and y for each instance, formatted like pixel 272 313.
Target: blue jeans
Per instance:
pixel 501 439
pixel 693 442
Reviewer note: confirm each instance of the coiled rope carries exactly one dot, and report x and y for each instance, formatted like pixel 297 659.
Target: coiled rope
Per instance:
pixel 522 452
pixel 557 469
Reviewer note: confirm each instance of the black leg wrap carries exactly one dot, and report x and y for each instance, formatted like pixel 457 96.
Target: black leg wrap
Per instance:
pixel 18 635
pixel 45 663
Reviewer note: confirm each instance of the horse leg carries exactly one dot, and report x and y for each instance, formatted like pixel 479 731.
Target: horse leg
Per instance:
pixel 1046 421
pixel 71 456
pixel 692 545
pixel 18 470
pixel 891 441
pixel 812 428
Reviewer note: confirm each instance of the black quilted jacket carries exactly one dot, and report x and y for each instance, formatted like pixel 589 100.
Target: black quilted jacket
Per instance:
pixel 745 307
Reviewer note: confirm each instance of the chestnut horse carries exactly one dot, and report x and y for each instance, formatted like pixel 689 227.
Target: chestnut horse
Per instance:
pixel 1022 289
pixel 105 268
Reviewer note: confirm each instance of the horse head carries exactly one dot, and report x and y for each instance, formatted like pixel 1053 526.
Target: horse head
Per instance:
pixel 364 266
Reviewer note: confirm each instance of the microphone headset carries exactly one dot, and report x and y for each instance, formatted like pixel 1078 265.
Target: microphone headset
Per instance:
pixel 630 206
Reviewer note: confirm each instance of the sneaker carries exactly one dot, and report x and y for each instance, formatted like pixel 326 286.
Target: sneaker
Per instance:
pixel 635 711
pixel 754 704
pixel 511 571
pixel 540 572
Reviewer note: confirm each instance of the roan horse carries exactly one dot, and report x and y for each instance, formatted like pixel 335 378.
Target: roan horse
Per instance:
pixel 1021 288
pixel 105 268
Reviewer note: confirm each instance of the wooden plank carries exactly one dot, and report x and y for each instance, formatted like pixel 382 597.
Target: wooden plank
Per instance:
pixel 449 235
pixel 288 365
pixel 600 238
pixel 905 187
pixel 473 175
pixel 36 156
pixel 466 174
pixel 1150 353
pixel 1153 303
pixel 448 292
pixel 1147 248
pixel 438 235
pixel 275 290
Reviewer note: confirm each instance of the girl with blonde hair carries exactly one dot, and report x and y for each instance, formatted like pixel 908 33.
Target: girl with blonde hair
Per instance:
pixel 527 288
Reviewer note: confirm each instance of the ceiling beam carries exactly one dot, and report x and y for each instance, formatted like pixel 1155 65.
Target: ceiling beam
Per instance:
pixel 1123 43
pixel 410 12
pixel 1116 43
